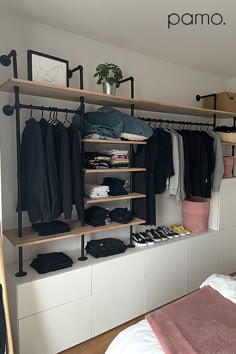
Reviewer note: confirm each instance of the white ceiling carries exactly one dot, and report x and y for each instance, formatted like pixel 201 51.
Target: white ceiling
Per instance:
pixel 142 26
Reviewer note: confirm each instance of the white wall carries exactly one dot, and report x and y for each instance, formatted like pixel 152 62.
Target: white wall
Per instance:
pixel 154 80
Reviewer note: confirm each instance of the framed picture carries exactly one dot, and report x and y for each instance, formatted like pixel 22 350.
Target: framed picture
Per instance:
pixel 47 69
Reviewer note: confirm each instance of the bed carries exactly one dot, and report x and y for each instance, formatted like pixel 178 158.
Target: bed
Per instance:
pixel 218 335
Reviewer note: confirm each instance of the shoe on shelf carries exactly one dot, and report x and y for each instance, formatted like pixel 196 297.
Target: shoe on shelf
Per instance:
pixel 138 240
pixel 161 234
pixel 175 234
pixel 155 236
pixel 181 227
pixel 177 230
pixel 167 232
pixel 147 238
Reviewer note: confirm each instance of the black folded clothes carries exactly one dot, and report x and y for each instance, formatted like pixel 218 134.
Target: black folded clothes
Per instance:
pixel 49 262
pixel 105 247
pixel 97 216
pixel 50 228
pixel 116 186
pixel 121 215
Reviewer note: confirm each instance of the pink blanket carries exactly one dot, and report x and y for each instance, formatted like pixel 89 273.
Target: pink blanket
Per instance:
pixel 202 322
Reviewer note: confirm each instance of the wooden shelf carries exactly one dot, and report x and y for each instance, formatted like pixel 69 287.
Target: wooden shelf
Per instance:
pixel 129 142
pixel 228 144
pixel 70 94
pixel 31 238
pixel 113 198
pixel 112 170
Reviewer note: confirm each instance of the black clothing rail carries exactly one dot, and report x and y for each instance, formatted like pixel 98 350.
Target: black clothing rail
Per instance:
pixel 177 122
pixel 9 110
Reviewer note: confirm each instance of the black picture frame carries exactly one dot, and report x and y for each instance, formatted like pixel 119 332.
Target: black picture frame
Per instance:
pixel 47 77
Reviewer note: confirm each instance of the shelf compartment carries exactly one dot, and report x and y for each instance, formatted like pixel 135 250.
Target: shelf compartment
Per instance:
pixel 113 198
pixel 128 142
pixel 112 170
pixel 32 238
pixel 71 94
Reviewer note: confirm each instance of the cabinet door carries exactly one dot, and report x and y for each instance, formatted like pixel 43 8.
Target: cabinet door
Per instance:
pixel 117 292
pixel 201 259
pixel 227 251
pixel 165 274
pixel 227 217
pixel 54 330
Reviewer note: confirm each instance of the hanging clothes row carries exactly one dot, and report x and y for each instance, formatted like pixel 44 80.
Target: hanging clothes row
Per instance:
pixel 180 163
pixel 51 169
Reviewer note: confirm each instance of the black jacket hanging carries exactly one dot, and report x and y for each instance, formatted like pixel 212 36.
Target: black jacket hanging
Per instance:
pixel 2 325
pixel 51 169
pixel 63 163
pixel 34 184
pixel 76 167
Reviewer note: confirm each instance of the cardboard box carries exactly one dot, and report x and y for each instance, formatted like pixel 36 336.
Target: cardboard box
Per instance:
pixel 225 101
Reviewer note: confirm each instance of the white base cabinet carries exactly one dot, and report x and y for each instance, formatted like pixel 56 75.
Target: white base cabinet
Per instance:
pixel 56 311
pixel 164 274
pixel 201 259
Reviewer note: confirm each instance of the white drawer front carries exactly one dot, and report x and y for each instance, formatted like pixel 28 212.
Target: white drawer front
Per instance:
pixel 116 305
pixel 201 259
pixel 44 294
pixel 55 330
pixel 117 271
pixel 163 258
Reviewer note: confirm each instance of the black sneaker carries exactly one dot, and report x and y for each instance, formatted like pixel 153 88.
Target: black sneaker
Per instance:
pixel 147 238
pixel 154 236
pixel 167 232
pixel 161 234
pixel 138 240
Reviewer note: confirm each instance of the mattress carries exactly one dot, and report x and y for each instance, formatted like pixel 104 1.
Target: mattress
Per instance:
pixel 140 339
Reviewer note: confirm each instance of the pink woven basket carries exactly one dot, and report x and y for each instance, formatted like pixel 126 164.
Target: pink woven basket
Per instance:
pixel 228 166
pixel 195 213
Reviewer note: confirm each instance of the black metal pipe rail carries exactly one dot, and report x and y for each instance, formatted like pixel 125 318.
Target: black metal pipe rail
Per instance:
pixel 176 122
pixel 198 98
pixel 9 110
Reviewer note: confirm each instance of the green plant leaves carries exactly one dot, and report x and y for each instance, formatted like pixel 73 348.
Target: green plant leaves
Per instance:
pixel 108 72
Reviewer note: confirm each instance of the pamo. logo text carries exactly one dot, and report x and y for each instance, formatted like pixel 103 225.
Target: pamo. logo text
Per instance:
pixel 188 19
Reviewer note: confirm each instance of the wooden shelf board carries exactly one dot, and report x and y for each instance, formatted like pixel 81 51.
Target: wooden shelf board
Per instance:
pixel 70 94
pixel 31 238
pixel 113 198
pixel 112 170
pixel 129 142
pixel 229 144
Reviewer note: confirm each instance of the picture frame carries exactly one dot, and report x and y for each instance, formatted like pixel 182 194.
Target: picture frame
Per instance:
pixel 47 69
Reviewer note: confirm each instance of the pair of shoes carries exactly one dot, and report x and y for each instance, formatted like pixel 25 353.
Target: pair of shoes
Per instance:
pixel 179 229
pixel 154 235
pixel 159 233
pixel 142 239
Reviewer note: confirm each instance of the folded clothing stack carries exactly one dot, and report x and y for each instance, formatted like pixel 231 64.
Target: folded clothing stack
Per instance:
pixel 96 160
pixel 116 186
pixel 105 247
pixel 102 132
pixel 51 227
pixel 121 215
pixel 97 216
pixel 119 158
pixel 49 262
pixel 96 191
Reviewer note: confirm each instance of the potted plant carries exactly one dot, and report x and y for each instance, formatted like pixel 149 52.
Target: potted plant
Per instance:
pixel 109 76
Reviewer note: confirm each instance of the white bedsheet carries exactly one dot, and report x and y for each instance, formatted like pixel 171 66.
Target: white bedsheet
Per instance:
pixel 140 339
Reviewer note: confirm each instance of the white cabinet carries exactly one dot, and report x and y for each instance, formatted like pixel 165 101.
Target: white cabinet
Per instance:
pixel 52 291
pixel 222 212
pixel 201 259
pixel 227 251
pixel 164 274
pixel 52 331
pixel 117 292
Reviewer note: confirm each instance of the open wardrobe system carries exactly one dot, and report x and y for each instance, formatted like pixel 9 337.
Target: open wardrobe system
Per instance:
pixel 82 173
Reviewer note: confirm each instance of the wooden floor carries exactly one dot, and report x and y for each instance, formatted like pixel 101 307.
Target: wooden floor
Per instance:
pixel 99 344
